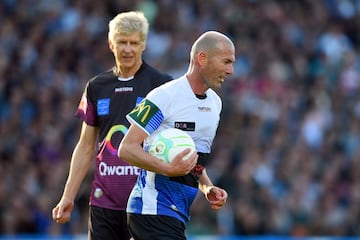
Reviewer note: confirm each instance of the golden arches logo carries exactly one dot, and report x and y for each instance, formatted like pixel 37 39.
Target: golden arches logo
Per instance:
pixel 139 111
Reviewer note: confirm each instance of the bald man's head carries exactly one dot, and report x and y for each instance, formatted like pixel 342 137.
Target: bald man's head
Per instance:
pixel 209 42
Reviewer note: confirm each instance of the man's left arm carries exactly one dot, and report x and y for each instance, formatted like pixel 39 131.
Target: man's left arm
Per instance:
pixel 216 196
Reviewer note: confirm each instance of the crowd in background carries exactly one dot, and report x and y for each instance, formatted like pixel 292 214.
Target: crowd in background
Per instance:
pixel 288 145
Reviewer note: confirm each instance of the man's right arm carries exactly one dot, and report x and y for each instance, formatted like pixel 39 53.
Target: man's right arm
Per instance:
pixel 82 157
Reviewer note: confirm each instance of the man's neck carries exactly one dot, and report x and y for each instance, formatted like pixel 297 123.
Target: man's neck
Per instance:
pixel 124 72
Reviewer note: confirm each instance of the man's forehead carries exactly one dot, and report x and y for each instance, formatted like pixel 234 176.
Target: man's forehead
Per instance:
pixel 126 35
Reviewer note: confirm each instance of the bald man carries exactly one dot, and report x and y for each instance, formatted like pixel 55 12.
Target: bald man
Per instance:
pixel 159 204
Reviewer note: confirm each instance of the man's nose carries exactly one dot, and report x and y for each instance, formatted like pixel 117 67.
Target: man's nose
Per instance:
pixel 230 70
pixel 128 47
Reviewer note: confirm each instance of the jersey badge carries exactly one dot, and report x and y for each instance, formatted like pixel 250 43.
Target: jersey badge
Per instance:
pixel 103 106
pixel 185 126
pixel 98 192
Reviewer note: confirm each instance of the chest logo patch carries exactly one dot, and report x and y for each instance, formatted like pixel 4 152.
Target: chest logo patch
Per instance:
pixel 185 126
pixel 204 109
pixel 103 106
pixel 124 89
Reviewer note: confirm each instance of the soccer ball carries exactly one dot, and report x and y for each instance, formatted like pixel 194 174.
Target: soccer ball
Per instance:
pixel 170 142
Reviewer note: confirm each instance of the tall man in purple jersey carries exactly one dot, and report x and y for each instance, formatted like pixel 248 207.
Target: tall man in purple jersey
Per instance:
pixel 107 98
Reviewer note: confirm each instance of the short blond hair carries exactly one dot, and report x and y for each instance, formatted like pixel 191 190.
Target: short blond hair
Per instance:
pixel 127 23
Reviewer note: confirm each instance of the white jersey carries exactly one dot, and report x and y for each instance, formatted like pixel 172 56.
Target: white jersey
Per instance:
pixel 174 105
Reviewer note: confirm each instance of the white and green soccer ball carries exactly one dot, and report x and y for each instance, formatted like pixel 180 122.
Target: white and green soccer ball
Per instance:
pixel 170 142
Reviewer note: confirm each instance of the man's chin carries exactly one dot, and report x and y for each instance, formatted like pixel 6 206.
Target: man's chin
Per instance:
pixel 127 65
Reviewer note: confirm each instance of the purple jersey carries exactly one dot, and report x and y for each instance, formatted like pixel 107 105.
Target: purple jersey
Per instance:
pixel 104 104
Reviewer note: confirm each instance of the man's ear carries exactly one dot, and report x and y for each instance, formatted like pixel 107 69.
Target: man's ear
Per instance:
pixel 111 45
pixel 202 58
pixel 144 45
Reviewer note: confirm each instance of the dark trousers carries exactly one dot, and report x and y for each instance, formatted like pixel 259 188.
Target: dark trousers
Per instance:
pixel 146 227
pixel 107 224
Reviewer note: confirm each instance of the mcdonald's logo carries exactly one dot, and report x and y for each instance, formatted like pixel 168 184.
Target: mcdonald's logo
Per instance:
pixel 142 111
pixel 146 114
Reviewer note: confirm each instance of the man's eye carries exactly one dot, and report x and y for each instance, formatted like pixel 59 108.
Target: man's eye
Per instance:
pixel 130 43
